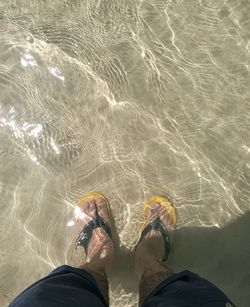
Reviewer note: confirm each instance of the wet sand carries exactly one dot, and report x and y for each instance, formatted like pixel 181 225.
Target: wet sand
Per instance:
pixel 129 98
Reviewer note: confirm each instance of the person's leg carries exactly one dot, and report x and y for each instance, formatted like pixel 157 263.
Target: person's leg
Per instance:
pixel 100 248
pixel 86 285
pixel 149 253
pixel 159 285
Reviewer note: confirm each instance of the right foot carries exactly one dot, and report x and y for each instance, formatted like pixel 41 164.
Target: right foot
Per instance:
pixel 100 249
pixel 152 246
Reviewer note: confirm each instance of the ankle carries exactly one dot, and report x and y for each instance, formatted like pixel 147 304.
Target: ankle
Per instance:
pixel 100 276
pixel 99 262
pixel 95 266
pixel 148 265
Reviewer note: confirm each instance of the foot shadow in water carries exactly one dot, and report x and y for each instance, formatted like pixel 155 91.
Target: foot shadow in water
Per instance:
pixel 221 255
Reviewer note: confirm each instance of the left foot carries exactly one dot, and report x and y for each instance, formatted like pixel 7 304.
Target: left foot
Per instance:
pixel 100 249
pixel 152 248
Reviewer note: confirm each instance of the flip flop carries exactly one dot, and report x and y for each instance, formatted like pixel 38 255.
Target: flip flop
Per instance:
pixel 157 224
pixel 97 222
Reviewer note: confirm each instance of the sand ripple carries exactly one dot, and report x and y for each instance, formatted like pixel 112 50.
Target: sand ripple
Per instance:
pixel 130 98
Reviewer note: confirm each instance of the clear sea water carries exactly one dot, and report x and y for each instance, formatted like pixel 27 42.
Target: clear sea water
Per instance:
pixel 130 98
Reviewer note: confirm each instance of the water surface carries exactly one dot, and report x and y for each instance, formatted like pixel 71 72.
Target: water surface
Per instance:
pixel 130 98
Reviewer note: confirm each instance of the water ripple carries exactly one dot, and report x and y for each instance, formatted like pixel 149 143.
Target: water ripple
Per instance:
pixel 131 98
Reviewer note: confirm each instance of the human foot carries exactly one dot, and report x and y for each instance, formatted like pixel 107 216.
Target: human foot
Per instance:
pixel 152 247
pixel 93 221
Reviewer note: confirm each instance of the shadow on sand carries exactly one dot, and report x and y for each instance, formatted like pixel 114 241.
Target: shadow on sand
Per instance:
pixel 221 255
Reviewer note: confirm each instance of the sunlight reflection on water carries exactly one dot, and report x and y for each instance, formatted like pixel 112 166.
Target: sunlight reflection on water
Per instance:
pixel 127 98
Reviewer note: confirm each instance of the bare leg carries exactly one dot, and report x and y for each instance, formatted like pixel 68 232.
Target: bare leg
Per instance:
pixel 100 249
pixel 148 256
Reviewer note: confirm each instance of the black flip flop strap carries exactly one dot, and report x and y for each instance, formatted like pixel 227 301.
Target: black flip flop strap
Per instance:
pixel 87 231
pixel 159 226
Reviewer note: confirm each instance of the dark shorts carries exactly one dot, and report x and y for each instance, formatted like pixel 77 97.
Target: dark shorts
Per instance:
pixel 71 287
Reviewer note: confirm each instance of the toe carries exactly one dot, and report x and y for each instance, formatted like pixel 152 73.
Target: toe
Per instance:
pixel 92 209
pixel 85 212
pixel 166 219
pixel 102 208
pixel 155 210
pixel 152 212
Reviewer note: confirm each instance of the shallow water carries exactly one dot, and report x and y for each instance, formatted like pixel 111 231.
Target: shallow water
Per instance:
pixel 129 98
